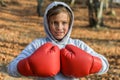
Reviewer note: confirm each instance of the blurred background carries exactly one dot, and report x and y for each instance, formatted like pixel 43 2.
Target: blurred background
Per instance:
pixel 97 23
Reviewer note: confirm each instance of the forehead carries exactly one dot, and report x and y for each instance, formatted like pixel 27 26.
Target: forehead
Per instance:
pixel 57 10
pixel 61 16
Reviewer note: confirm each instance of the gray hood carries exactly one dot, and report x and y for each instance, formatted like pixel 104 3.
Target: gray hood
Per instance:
pixel 49 35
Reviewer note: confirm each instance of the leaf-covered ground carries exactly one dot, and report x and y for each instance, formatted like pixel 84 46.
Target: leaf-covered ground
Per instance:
pixel 20 24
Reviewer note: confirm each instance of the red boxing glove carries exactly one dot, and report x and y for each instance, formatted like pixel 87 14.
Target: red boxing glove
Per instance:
pixel 78 63
pixel 44 62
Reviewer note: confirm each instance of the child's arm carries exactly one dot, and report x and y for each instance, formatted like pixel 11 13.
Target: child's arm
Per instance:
pixel 37 59
pixel 78 63
pixel 105 64
pixel 71 54
pixel 44 62
pixel 12 67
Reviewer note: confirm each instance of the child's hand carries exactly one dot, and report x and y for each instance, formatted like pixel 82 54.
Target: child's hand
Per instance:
pixel 44 62
pixel 78 63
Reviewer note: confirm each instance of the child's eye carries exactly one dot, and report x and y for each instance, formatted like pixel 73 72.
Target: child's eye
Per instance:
pixel 64 23
pixel 55 23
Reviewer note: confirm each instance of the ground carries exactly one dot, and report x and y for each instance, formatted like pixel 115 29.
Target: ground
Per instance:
pixel 20 24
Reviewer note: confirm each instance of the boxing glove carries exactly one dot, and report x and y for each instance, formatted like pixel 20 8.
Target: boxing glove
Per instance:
pixel 77 63
pixel 44 62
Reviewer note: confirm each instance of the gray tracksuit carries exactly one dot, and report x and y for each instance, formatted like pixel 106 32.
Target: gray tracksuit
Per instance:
pixel 12 67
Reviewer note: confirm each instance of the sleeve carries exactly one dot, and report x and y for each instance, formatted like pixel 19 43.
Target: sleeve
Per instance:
pixel 85 47
pixel 12 66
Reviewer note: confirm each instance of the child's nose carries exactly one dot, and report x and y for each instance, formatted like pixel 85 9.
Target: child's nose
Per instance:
pixel 60 26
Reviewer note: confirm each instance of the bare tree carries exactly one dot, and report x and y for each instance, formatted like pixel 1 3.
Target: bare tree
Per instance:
pixel 2 3
pixel 95 17
pixel 39 7
pixel 96 9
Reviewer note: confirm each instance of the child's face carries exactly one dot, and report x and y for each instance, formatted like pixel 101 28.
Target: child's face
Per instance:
pixel 59 25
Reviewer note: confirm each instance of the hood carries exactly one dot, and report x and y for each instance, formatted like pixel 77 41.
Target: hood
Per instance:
pixel 46 27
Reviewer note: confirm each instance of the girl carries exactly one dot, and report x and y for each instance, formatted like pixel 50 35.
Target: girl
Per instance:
pixel 57 56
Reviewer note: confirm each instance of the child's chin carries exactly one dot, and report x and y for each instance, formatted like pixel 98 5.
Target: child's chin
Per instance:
pixel 59 39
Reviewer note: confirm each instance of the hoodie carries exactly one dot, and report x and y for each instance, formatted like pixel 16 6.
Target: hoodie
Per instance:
pixel 34 45
pixel 46 27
